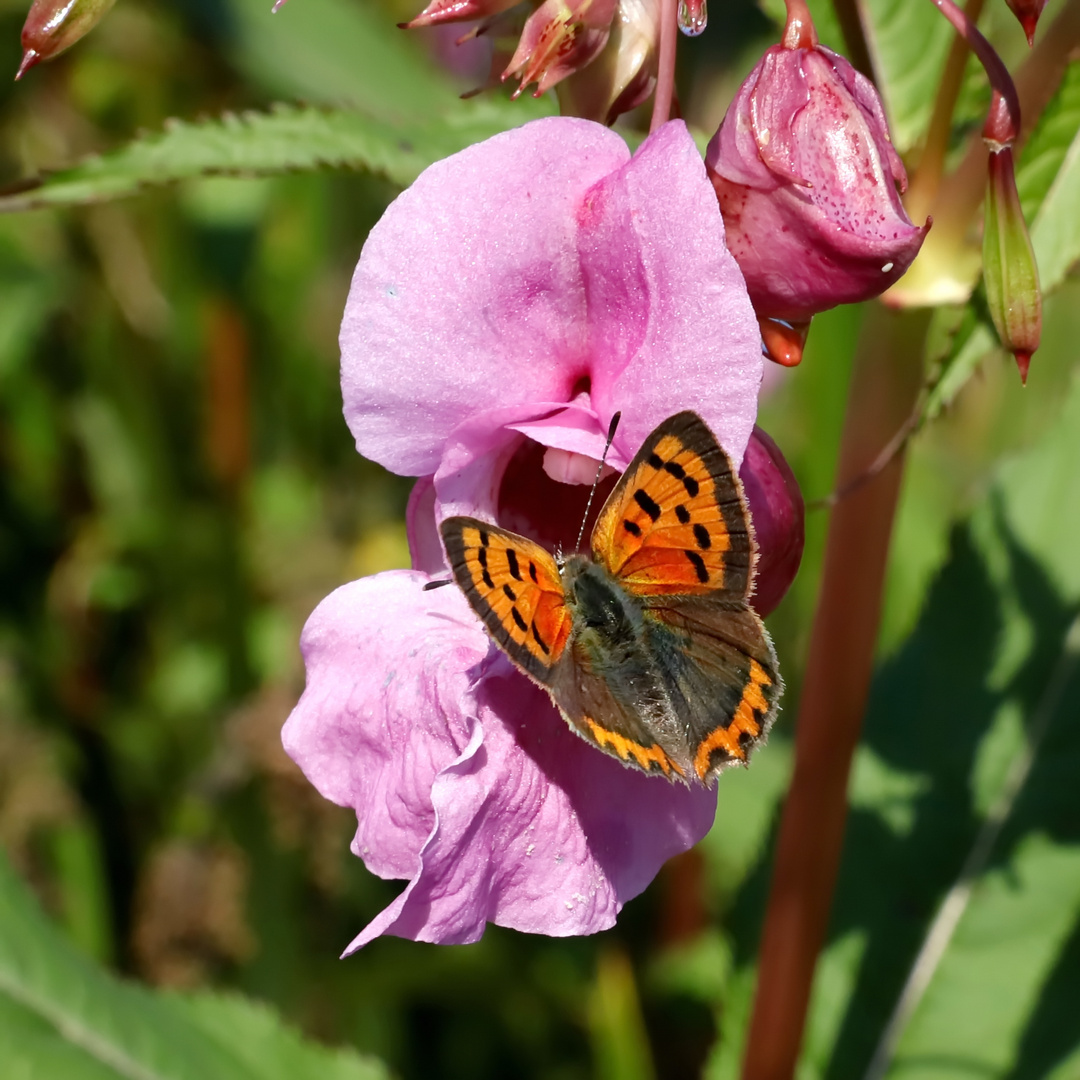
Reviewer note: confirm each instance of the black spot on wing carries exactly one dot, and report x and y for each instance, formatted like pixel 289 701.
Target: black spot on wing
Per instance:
pixel 512 562
pixel 484 538
pixel 538 639
pixel 487 579
pixel 632 527
pixel 701 535
pixel 682 514
pixel 655 460
pixel 522 625
pixel 699 566
pixel 532 572
pixel 675 469
pixel 651 508
pixel 692 486
pixel 510 594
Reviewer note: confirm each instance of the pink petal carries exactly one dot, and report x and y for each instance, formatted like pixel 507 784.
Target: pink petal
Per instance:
pixel 468 295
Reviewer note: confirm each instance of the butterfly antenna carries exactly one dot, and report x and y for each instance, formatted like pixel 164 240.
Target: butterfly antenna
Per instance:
pixel 600 468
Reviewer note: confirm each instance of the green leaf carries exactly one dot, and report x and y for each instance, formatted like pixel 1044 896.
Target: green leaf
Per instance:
pixel 269 1049
pixel 61 1016
pixel 334 52
pixel 908 43
pixel 286 139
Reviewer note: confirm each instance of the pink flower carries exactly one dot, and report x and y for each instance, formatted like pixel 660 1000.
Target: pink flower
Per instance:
pixel 807 177
pixel 503 309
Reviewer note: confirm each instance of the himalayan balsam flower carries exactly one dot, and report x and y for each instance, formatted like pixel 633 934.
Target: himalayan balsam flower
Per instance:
pixel 506 305
pixel 807 176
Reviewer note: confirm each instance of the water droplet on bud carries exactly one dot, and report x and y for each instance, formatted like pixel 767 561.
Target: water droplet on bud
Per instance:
pixel 693 17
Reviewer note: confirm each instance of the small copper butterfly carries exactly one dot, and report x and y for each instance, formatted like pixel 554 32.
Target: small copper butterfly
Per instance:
pixel 649 648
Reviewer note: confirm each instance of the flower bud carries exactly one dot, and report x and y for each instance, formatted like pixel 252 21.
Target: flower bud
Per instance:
pixel 624 74
pixel 776 507
pixel 1009 271
pixel 807 177
pixel 55 25
pixel 559 38
pixel 447 11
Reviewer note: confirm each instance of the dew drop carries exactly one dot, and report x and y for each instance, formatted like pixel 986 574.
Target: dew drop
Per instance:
pixel 887 267
pixel 693 17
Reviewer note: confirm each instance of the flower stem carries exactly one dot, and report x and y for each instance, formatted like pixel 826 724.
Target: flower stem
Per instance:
pixel 1003 123
pixel 665 74
pixel 884 387
pixel 799 31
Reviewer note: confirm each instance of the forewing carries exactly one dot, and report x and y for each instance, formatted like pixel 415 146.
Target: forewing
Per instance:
pixel 719 670
pixel 676 523
pixel 514 586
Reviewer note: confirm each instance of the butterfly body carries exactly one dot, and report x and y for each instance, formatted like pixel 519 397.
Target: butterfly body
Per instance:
pixel 648 648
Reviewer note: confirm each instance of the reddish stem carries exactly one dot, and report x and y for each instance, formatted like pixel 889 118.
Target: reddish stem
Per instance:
pixel 885 384
pixel 799 31
pixel 665 73
pixel 1003 124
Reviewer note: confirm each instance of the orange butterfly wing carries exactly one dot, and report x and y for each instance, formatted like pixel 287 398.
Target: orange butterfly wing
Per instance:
pixel 677 523
pixel 514 586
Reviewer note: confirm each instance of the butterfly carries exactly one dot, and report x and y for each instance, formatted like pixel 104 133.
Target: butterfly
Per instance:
pixel 649 648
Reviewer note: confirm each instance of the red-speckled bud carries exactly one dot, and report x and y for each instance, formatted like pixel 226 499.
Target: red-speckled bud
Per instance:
pixel 807 177
pixel 776 506
pixel 55 25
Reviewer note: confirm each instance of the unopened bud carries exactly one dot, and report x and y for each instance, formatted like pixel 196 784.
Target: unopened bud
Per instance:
pixel 559 38
pixel 1009 270
pixel 55 25
pixel 807 176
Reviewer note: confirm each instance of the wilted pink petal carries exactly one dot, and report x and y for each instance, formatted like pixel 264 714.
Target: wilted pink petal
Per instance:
pixel 807 176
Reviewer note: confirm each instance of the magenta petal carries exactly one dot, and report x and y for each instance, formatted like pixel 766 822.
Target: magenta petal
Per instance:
pixel 468 294
pixel 382 714
pixel 670 323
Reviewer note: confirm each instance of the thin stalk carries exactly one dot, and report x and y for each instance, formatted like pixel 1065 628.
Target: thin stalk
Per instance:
pixel 885 385
pixel 665 73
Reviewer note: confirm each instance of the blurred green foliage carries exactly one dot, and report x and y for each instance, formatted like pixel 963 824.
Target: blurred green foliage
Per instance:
pixel 178 490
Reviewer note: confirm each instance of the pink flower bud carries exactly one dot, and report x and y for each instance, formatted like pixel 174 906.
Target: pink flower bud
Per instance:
pixel 55 25
pixel 807 177
pixel 776 506
pixel 1009 270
